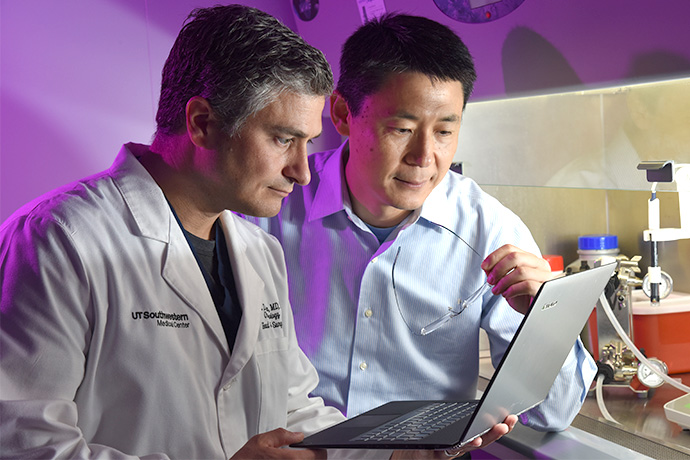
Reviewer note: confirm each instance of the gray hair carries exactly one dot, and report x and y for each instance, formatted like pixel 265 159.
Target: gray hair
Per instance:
pixel 239 59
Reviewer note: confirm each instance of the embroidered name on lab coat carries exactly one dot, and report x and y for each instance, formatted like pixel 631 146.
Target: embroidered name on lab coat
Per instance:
pixel 271 316
pixel 163 319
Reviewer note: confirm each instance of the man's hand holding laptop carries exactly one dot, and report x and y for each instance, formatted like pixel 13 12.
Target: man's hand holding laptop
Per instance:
pixel 480 442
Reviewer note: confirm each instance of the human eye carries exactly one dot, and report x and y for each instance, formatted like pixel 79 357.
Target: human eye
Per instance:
pixel 446 129
pixel 400 130
pixel 285 141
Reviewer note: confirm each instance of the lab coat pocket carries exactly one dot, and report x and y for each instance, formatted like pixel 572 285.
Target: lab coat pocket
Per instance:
pixel 272 357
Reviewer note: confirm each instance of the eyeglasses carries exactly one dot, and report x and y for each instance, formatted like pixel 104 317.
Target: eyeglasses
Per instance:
pixel 452 312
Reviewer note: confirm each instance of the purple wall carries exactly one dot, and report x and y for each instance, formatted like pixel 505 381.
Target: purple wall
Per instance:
pixel 545 44
pixel 78 78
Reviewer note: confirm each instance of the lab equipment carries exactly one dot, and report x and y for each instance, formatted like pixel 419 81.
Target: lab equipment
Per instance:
pixel 591 248
pixel 664 171
pixel 638 354
pixel 663 330
pixel 656 284
pixel 646 365
pixel 678 411
pixel 656 331
pixel 617 362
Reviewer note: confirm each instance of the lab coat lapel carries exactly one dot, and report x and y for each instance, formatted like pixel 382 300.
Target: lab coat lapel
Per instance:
pixel 249 286
pixel 182 273
pixel 154 219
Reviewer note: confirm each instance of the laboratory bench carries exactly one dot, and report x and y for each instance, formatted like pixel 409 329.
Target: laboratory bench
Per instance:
pixel 644 431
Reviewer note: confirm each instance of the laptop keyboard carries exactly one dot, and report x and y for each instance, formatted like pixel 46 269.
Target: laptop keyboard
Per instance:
pixel 419 423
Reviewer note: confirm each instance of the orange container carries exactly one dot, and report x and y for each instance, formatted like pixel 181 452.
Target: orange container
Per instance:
pixel 663 331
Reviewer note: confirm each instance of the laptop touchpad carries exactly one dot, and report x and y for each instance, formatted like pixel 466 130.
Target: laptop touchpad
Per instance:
pixel 369 420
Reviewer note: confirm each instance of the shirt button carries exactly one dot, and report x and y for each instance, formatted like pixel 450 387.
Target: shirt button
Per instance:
pixel 363 366
pixel 373 261
pixel 368 313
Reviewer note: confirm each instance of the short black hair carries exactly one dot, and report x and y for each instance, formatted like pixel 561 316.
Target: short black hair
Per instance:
pixel 397 43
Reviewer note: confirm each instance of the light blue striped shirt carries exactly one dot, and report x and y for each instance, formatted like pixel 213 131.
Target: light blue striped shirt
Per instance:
pixel 363 343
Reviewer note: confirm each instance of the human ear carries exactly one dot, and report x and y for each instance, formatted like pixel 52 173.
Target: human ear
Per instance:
pixel 340 114
pixel 202 126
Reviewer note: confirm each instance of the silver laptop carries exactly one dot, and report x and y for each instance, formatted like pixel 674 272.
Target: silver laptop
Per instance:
pixel 521 381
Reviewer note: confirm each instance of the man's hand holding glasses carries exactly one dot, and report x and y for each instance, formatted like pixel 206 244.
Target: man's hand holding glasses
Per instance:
pixel 515 274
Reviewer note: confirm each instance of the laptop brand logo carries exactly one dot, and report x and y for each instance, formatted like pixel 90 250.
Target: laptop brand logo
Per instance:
pixel 546 306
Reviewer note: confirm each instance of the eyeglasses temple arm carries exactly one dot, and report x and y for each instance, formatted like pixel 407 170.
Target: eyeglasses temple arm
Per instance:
pixel 439 322
pixel 478 293
pixel 451 313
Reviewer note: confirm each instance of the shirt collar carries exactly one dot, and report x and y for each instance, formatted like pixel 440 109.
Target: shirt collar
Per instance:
pixel 332 194
pixel 331 191
pixel 437 208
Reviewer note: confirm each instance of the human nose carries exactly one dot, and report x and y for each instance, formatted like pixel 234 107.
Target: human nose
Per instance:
pixel 421 152
pixel 297 169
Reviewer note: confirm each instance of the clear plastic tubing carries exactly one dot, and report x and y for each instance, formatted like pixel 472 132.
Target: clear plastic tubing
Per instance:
pixel 635 350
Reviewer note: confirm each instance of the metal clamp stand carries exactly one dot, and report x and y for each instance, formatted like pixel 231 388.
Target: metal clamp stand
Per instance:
pixel 664 171
pixel 616 362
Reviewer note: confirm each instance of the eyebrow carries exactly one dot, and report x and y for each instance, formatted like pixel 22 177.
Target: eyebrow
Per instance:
pixel 408 116
pixel 293 132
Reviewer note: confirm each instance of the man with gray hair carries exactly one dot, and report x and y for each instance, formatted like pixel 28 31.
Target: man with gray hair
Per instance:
pixel 139 316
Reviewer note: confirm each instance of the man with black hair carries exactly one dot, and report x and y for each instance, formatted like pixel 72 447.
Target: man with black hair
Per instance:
pixel 386 246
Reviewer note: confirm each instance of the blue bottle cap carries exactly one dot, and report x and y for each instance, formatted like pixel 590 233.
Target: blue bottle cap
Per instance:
pixel 597 242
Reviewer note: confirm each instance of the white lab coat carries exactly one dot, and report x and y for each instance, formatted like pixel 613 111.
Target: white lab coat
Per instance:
pixel 111 346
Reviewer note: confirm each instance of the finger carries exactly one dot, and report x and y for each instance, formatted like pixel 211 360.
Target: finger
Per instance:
pixel 519 296
pixel 492 259
pixel 498 430
pixel 517 256
pixel 459 452
pixel 525 282
pixel 511 421
pixel 279 437
pixel 507 258
pixel 273 444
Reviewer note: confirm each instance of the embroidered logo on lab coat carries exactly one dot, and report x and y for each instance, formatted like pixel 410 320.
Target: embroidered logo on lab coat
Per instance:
pixel 163 319
pixel 271 316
